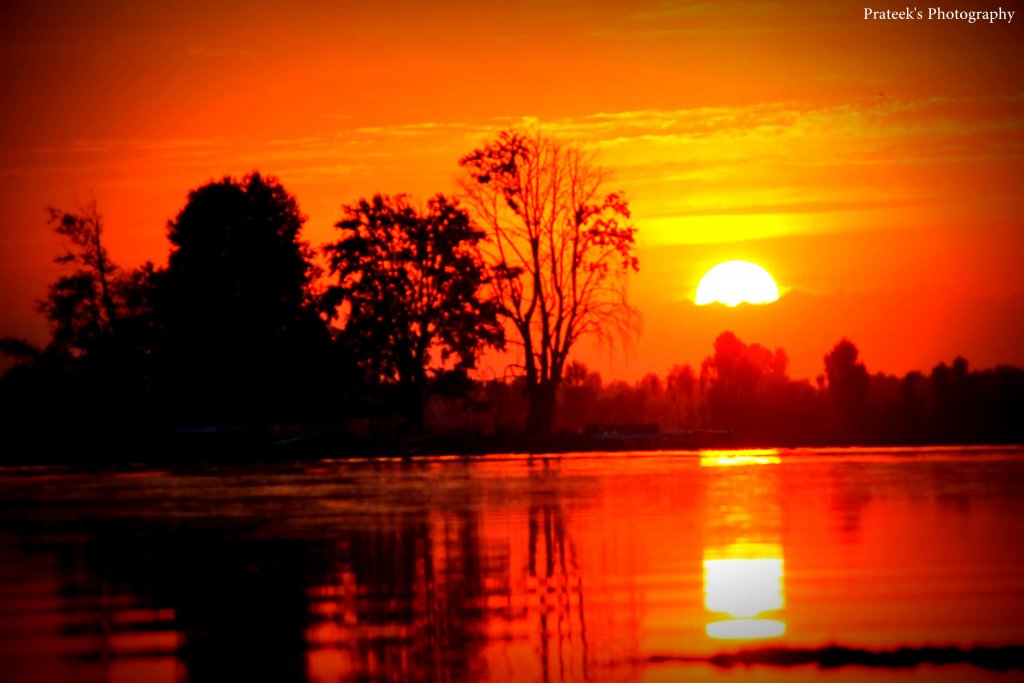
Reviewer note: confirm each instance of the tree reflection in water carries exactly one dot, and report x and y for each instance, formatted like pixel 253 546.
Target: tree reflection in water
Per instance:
pixel 509 568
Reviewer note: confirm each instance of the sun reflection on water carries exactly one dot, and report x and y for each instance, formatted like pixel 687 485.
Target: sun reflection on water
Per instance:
pixel 744 582
pixel 747 456
pixel 745 629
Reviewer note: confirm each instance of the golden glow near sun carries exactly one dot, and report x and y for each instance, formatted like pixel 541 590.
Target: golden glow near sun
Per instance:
pixel 740 457
pixel 736 282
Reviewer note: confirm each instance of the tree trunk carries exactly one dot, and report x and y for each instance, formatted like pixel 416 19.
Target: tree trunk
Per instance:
pixel 414 404
pixel 541 416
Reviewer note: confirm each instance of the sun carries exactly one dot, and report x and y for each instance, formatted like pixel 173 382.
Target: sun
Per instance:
pixel 736 282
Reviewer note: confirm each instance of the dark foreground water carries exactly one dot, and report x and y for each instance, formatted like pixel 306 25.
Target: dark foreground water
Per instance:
pixel 848 565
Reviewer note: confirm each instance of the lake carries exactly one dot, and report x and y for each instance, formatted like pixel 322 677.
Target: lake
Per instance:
pixel 758 565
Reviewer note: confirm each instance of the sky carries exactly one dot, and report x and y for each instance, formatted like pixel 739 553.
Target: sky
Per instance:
pixel 874 168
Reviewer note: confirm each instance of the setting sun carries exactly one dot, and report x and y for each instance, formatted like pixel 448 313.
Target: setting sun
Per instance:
pixel 736 282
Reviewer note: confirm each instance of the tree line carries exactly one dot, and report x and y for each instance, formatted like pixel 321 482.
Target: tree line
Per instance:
pixel 250 329
pixel 249 326
pixel 743 392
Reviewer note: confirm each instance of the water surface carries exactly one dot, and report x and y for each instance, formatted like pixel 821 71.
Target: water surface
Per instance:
pixel 745 565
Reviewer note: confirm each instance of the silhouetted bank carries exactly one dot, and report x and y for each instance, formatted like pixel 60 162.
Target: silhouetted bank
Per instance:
pixel 86 409
pixel 242 348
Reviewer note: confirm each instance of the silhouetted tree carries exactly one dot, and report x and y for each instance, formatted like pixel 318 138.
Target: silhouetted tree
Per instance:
pixel 86 306
pixel 951 399
pixel 1000 397
pixel 80 305
pixel 576 373
pixel 578 394
pixel 558 252
pixel 680 384
pixel 735 381
pixel 100 324
pixel 912 406
pixel 407 291
pixel 241 332
pixel 848 383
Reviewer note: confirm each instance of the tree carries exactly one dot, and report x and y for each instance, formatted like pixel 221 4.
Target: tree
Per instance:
pixel 80 305
pixel 96 360
pixel 99 312
pixel 738 380
pixel 848 383
pixel 680 384
pixel 557 254
pixel 580 389
pixel 407 292
pixel 951 398
pixel 241 332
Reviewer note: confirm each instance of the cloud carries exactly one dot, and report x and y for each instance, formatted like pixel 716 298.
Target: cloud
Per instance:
pixel 781 158
pixel 425 128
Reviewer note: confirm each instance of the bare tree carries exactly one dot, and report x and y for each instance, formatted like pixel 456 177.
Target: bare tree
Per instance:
pixel 559 249
pixel 80 305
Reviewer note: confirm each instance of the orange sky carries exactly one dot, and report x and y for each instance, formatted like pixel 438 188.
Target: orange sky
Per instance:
pixel 874 168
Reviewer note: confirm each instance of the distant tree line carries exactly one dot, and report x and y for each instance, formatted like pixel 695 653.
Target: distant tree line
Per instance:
pixel 373 338
pixel 743 390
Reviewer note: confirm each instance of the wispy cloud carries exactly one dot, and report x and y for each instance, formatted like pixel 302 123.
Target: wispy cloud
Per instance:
pixel 740 17
pixel 866 156
pixel 424 128
pixel 781 158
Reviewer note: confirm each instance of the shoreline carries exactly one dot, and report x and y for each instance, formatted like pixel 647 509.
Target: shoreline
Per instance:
pixel 239 447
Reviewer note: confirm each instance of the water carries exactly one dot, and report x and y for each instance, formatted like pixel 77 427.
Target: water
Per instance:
pixel 600 567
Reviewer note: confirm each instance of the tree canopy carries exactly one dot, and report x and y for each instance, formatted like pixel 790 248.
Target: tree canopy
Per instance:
pixel 738 379
pixel 239 324
pixel 407 292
